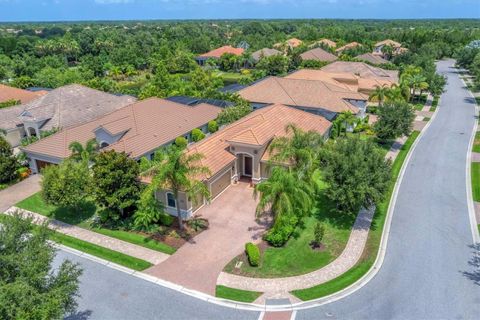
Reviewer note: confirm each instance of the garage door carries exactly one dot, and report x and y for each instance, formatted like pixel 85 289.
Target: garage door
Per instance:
pixel 42 164
pixel 220 184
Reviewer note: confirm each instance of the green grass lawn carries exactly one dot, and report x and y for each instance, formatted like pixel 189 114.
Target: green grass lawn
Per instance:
pixel 373 242
pixel 82 218
pixel 476 143
pixel 297 257
pixel 476 181
pixel 229 77
pixel 236 294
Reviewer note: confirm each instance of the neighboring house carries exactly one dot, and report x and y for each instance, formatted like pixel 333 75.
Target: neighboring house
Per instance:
pixel 138 129
pixel 60 108
pixel 217 53
pixel 193 101
pixel 315 96
pixel 326 42
pixel 8 93
pixel 318 54
pixel 291 43
pixel 265 52
pixel 240 150
pixel 377 48
pixel 362 70
pixel 348 46
pixel 371 58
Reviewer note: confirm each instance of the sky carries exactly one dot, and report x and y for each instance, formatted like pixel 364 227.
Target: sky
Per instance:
pixel 66 10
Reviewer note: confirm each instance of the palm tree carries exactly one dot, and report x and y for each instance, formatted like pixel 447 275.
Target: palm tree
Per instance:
pixel 396 93
pixel 418 81
pixel 178 171
pixel 379 94
pixel 284 194
pixel 80 152
pixel 348 119
pixel 298 149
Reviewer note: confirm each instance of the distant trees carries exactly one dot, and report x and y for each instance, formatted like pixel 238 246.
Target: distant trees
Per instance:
pixel 274 65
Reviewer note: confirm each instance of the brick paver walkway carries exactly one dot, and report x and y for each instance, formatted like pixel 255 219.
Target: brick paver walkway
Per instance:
pixel 475 157
pixel 428 104
pixel 127 248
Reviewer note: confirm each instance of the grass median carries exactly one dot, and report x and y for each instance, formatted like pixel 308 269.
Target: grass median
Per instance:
pixel 236 294
pixel 373 243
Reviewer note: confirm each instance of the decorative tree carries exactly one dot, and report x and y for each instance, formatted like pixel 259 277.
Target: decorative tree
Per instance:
pixel 8 162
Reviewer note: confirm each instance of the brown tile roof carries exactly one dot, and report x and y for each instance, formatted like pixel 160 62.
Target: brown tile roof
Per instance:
pixel 292 43
pixel 11 93
pixel 257 128
pixel 304 93
pixel 318 54
pixel 147 125
pixel 350 45
pixel 388 42
pixel 63 107
pixel 328 42
pixel 372 58
pixel 361 69
pixel 217 53
pixel 344 80
pixel 265 52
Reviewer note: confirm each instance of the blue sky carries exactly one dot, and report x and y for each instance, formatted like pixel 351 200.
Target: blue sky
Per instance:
pixel 54 10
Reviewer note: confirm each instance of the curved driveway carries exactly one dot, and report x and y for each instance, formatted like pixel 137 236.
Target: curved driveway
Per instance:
pixel 426 273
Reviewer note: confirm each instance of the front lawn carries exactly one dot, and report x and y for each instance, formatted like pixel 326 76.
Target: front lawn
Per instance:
pixel 297 257
pixel 476 180
pixel 476 142
pixel 83 218
pixel 374 237
pixel 236 294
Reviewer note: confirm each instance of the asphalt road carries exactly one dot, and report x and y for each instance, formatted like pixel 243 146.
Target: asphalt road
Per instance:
pixel 427 272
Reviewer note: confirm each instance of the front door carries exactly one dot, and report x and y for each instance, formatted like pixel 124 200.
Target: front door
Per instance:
pixel 247 165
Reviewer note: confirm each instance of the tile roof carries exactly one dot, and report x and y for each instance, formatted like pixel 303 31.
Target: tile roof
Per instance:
pixel 257 128
pixel 217 53
pixel 361 69
pixel 303 93
pixel 265 52
pixel 372 58
pixel 292 43
pixel 318 54
pixel 388 42
pixel 147 125
pixel 11 93
pixel 350 45
pixel 64 107
pixel 328 42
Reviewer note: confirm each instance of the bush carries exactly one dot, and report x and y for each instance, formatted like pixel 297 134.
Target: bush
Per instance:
pixel 278 236
pixel 165 219
pixel 181 142
pixel 394 120
pixel 8 162
pixel 197 135
pixel 318 233
pixel 253 254
pixel 212 126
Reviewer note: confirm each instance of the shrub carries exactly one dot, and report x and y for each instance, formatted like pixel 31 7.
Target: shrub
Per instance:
pixel 165 219
pixel 318 233
pixel 278 236
pixel 253 254
pixel 8 162
pixel 181 142
pixel 212 126
pixel 197 135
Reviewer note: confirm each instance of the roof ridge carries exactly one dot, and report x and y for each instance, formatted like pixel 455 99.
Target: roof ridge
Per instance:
pixel 293 100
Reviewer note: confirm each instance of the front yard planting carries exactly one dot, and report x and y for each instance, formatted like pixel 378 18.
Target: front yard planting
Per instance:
pixel 236 294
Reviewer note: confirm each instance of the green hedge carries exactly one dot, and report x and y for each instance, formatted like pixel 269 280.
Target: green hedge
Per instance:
pixel 253 254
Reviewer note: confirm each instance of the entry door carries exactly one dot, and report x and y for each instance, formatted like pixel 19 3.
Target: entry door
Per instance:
pixel 247 165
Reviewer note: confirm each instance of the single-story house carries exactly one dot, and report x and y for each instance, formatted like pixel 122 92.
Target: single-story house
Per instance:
pixel 138 129
pixel 8 93
pixel 323 98
pixel 371 58
pixel 348 46
pixel 217 53
pixel 362 70
pixel 377 48
pixel 326 42
pixel 265 52
pixel 318 54
pixel 291 43
pixel 240 150
pixel 60 108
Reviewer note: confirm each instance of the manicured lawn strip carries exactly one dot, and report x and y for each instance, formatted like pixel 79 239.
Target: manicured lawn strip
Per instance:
pixel 373 242
pixel 476 143
pixel 236 294
pixel 476 181
pixel 81 218
pixel 101 252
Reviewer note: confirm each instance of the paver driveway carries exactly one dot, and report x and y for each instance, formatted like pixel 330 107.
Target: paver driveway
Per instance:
pixel 197 264
pixel 19 191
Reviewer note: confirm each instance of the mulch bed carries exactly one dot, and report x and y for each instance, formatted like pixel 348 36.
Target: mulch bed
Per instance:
pixel 175 237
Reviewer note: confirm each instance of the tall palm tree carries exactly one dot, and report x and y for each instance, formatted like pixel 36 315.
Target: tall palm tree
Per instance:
pixel 418 82
pixel 396 93
pixel 348 119
pixel 379 94
pixel 80 152
pixel 178 171
pixel 284 195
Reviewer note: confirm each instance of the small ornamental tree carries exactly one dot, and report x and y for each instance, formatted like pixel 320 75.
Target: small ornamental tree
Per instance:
pixel 197 135
pixel 8 162
pixel 394 120
pixel 67 184
pixel 212 126
pixel 318 233
pixel 181 142
pixel 29 289
pixel 117 186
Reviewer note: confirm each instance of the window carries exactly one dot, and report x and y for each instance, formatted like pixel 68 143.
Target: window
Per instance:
pixel 171 200
pixel 103 144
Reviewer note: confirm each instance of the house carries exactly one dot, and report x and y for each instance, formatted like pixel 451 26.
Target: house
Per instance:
pixel 240 150
pixel 8 93
pixel 348 46
pixel 291 43
pixel 60 108
pixel 377 48
pixel 138 129
pixel 362 70
pixel 318 54
pixel 217 53
pixel 325 42
pixel 319 97
pixel 265 52
pixel 371 58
